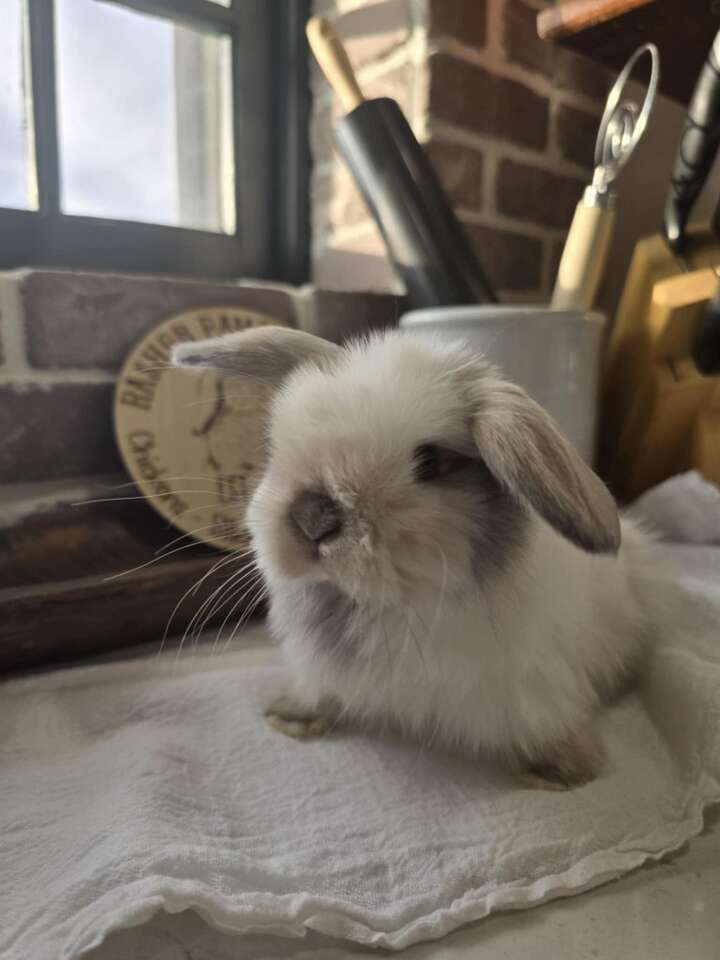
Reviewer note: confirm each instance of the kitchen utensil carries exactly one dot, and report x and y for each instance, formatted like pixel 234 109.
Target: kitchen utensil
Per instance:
pixel 621 127
pixel 674 396
pixel 655 260
pixel 425 243
pixel 706 442
pixel 554 355
pixel 652 440
pixel 697 149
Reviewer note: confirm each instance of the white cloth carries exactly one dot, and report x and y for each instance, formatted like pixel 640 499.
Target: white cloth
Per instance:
pixel 683 509
pixel 131 787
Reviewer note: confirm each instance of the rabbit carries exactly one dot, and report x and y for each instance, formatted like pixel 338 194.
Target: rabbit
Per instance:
pixel 439 558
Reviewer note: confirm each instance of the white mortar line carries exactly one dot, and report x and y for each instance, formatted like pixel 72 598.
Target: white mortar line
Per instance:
pixel 351 232
pixel 470 218
pixel 492 219
pixel 494 32
pixel 527 228
pixel 12 330
pixel 21 500
pixel 449 133
pixel 491 163
pixel 398 55
pixel 493 60
pixel 393 57
pixel 25 379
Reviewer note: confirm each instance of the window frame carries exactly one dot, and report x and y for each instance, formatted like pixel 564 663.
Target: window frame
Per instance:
pixel 271 101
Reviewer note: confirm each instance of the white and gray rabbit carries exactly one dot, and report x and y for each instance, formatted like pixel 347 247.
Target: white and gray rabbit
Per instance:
pixel 438 556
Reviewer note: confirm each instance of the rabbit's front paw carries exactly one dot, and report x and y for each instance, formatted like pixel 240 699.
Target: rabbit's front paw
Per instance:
pixel 288 717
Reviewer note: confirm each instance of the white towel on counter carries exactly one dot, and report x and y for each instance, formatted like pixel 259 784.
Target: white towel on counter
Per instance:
pixel 133 787
pixel 683 509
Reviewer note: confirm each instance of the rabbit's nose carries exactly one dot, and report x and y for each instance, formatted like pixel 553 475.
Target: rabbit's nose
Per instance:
pixel 316 515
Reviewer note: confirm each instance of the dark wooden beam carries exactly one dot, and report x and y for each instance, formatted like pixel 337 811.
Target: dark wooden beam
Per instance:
pixel 61 598
pixel 608 31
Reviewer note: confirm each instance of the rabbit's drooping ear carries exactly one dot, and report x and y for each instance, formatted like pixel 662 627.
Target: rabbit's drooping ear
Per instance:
pixel 531 459
pixel 266 354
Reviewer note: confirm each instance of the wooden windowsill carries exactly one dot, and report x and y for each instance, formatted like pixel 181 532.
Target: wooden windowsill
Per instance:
pixel 61 598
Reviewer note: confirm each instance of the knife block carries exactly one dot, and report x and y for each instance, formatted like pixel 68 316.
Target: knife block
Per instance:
pixel 626 354
pixel 666 394
pixel 706 442
pixel 662 443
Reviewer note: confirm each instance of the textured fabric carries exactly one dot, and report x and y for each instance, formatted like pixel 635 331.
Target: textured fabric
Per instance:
pixel 132 787
pixel 684 508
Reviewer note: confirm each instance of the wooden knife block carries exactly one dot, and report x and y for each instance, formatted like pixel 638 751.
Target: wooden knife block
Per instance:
pixel 706 442
pixel 654 397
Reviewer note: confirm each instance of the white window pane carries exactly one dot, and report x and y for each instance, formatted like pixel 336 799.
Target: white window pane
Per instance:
pixel 17 176
pixel 144 118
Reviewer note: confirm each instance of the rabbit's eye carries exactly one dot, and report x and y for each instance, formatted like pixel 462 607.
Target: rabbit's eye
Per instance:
pixel 426 463
pixel 434 463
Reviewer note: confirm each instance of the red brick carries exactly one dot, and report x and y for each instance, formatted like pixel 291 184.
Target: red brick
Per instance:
pixel 63 431
pixel 532 193
pixel 571 71
pixel 470 97
pixel 463 20
pixel 94 320
pixel 512 261
pixel 460 171
pixel 339 315
pixel 566 70
pixel 576 134
pixel 520 38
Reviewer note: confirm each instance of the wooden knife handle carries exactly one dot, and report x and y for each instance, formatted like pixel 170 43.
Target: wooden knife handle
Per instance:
pixel 330 53
pixel 583 258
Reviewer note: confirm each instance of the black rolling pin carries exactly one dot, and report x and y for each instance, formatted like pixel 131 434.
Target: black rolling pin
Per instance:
pixel 425 243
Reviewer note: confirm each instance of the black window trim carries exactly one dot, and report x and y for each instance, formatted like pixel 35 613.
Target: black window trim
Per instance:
pixel 271 110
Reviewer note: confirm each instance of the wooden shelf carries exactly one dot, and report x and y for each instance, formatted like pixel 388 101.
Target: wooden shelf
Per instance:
pixel 608 31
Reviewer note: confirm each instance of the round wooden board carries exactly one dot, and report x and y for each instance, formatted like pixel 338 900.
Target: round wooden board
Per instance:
pixel 193 441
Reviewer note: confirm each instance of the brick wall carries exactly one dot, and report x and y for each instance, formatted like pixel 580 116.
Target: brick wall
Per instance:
pixel 508 120
pixel 64 336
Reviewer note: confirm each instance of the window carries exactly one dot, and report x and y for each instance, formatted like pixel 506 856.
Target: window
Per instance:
pixel 162 136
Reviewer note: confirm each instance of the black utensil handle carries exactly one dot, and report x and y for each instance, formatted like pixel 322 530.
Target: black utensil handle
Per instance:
pixel 706 349
pixel 697 149
pixel 425 243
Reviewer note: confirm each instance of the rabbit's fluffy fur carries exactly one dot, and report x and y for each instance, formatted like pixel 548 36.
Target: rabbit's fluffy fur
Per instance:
pixel 489 604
